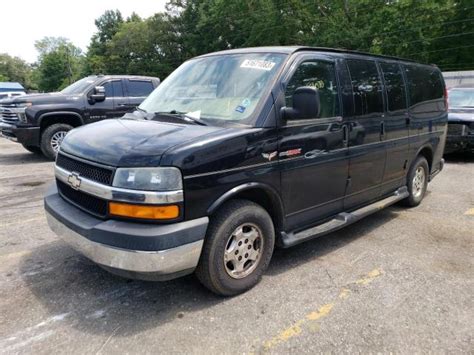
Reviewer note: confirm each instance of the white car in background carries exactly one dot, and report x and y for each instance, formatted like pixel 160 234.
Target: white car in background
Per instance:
pixel 10 94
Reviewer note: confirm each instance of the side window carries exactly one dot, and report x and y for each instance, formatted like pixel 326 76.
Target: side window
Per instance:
pixel 320 75
pixel 394 85
pixel 139 88
pixel 109 91
pixel 366 87
pixel 118 90
pixel 424 84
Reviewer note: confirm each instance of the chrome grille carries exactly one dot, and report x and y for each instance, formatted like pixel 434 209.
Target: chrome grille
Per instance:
pixel 7 113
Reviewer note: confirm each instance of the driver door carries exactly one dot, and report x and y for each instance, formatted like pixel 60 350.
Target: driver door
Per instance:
pixel 115 104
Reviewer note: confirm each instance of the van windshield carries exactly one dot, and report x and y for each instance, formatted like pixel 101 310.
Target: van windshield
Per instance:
pixel 461 98
pixel 224 87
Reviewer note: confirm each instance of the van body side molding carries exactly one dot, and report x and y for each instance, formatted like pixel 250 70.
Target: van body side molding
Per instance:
pixel 342 219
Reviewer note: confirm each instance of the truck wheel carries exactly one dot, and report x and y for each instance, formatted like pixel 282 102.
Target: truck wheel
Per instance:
pixel 238 248
pixel 417 181
pixel 32 149
pixel 51 139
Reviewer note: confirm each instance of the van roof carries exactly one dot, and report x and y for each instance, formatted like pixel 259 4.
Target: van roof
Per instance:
pixel 293 49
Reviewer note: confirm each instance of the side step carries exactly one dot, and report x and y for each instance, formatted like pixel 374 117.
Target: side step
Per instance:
pixel 342 219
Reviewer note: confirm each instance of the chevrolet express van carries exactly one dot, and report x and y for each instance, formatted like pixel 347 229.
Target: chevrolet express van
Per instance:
pixel 239 151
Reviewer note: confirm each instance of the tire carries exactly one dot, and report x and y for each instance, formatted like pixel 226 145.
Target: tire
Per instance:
pixel 52 137
pixel 224 241
pixel 32 149
pixel 417 182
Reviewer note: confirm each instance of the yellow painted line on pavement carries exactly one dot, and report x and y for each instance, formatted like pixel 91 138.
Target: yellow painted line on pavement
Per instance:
pixel 469 212
pixel 310 321
pixel 344 293
pixel 369 278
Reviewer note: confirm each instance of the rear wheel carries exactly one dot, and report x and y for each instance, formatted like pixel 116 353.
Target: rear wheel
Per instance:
pixel 417 182
pixel 52 138
pixel 238 248
pixel 32 149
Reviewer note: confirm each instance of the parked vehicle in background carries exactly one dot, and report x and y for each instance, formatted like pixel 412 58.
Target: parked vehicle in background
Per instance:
pixel 242 150
pixel 40 121
pixel 461 119
pixel 10 88
pixel 11 94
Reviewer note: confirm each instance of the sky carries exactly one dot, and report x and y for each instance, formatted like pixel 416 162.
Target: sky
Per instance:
pixel 25 21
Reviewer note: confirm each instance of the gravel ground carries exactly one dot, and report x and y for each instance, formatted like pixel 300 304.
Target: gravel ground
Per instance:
pixel 398 281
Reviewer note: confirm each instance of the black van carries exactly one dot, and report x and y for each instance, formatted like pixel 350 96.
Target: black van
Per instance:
pixel 241 150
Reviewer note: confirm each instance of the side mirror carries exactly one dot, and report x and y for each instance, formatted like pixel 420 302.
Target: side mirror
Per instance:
pixel 98 94
pixel 306 104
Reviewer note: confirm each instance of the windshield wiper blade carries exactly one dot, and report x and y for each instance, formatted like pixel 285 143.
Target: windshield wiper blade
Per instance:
pixel 183 116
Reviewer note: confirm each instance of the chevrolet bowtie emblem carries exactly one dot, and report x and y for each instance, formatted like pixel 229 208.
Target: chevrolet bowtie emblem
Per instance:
pixel 74 180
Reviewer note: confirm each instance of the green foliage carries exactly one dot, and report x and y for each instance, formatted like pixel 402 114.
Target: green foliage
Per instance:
pixel 59 65
pixel 430 31
pixel 16 70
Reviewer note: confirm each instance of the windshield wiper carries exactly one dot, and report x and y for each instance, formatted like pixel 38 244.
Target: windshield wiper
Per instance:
pixel 184 116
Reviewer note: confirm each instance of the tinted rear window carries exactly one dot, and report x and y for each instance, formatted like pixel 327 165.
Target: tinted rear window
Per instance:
pixel 424 84
pixel 138 88
pixel 366 86
pixel 392 75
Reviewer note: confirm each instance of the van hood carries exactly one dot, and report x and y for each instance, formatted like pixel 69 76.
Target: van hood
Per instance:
pixel 130 143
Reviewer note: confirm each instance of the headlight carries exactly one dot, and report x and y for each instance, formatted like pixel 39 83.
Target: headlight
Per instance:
pixel 24 104
pixel 149 179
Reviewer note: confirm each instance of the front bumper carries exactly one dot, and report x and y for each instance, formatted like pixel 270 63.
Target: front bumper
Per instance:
pixel 133 250
pixel 29 136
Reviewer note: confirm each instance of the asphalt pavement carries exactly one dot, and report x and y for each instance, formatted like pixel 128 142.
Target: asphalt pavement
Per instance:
pixel 398 281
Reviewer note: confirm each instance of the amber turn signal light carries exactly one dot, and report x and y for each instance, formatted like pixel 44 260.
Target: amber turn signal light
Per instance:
pixel 143 211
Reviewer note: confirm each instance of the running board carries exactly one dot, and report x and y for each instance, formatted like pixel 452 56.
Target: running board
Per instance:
pixel 342 219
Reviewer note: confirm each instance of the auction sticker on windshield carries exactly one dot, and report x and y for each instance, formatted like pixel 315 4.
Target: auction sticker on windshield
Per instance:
pixel 257 64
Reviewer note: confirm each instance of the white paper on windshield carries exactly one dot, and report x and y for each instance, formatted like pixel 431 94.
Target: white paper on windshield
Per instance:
pixel 194 114
pixel 258 64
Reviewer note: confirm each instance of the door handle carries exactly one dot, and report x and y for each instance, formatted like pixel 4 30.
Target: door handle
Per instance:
pixel 123 105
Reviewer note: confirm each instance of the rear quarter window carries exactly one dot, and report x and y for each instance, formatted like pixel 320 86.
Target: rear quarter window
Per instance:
pixel 425 88
pixel 139 88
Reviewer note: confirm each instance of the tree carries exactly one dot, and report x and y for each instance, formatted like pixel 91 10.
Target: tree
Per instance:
pixel 60 63
pixel 428 31
pixel 144 47
pixel 107 25
pixel 15 69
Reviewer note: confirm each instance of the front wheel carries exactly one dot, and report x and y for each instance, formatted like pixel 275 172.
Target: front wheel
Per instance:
pixel 52 138
pixel 417 182
pixel 238 248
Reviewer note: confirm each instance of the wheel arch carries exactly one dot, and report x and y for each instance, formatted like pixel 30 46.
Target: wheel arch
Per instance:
pixel 262 194
pixel 72 118
pixel 426 151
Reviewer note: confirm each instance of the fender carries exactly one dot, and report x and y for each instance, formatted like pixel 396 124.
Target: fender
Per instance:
pixel 60 113
pixel 271 192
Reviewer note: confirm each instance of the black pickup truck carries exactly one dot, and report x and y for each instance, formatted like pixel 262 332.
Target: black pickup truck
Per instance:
pixel 40 122
pixel 242 150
